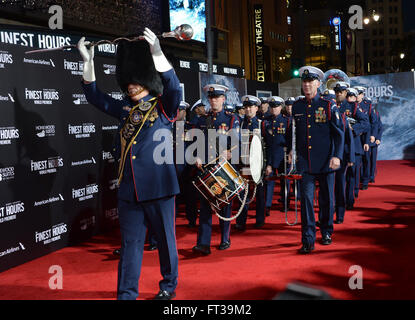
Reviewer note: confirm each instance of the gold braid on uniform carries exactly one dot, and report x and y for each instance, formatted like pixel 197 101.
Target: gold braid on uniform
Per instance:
pixel 132 128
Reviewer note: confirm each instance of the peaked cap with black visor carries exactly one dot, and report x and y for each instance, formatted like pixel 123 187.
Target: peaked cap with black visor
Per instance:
pixel 311 73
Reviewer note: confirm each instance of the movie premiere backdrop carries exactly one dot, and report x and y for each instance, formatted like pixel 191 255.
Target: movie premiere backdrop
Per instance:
pixel 393 95
pixel 57 175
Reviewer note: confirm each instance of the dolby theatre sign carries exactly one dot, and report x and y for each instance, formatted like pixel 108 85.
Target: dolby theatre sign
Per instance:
pixel 259 43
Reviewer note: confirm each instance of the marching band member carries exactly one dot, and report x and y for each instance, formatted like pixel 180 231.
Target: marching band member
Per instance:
pixel 319 148
pixel 146 194
pixel 219 120
pixel 264 112
pixel 275 138
pixel 359 124
pixel 340 90
pixel 198 109
pixel 329 94
pixel 348 161
pixel 367 138
pixel 188 195
pixel 240 112
pixel 287 112
pixel 289 106
pixel 179 135
pixel 252 123
pixel 377 133
pixel 229 109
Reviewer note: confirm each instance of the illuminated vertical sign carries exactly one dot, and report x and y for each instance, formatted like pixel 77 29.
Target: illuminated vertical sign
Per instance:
pixel 259 43
pixel 336 23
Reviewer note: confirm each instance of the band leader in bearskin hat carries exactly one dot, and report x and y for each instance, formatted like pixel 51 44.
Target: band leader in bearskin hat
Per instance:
pixel 147 185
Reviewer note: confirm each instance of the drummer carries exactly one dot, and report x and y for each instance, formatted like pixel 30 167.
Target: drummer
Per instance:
pixel 219 120
pixel 255 126
pixel 275 137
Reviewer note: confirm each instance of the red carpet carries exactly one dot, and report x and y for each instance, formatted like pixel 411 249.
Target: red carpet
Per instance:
pixel 377 235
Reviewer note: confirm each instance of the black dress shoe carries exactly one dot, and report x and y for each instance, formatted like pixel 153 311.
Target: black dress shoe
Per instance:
pixel 318 224
pixel 259 225
pixel 306 248
pixel 205 250
pixel 191 225
pixel 338 221
pixel 224 245
pixel 267 210
pixel 152 247
pixel 326 240
pixel 239 227
pixel 365 187
pixel 117 252
pixel 165 295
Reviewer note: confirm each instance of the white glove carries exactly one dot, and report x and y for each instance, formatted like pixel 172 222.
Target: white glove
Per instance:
pixel 88 56
pixel 160 61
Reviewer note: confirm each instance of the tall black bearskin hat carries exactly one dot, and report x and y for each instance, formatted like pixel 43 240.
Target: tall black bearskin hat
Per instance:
pixel 135 66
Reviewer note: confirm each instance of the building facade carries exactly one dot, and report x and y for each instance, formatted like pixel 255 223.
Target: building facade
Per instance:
pixel 383 54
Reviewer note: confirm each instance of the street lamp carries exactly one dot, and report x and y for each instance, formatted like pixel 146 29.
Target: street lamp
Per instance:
pixel 375 16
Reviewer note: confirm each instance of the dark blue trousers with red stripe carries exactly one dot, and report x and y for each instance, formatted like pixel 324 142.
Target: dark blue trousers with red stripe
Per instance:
pixel 365 171
pixel 373 159
pixel 205 223
pixel 340 192
pixel 134 218
pixel 326 205
pixel 260 206
pixel 355 181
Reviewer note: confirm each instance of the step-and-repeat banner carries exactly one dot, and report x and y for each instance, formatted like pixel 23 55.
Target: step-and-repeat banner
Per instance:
pixel 393 95
pixel 57 174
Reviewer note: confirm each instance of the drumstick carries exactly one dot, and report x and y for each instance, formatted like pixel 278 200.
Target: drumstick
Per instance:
pixel 214 160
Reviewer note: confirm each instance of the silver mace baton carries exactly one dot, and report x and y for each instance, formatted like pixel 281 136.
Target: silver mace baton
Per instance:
pixel 183 32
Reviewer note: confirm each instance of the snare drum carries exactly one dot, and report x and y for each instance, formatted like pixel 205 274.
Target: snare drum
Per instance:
pixel 252 157
pixel 219 184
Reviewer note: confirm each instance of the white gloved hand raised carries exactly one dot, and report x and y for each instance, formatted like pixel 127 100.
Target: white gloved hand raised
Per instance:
pixel 160 61
pixel 88 57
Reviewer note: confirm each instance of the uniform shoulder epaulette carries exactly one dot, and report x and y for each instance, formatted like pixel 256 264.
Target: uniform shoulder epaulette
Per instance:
pixel 334 106
pixel 328 101
pixel 296 102
pixel 233 119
